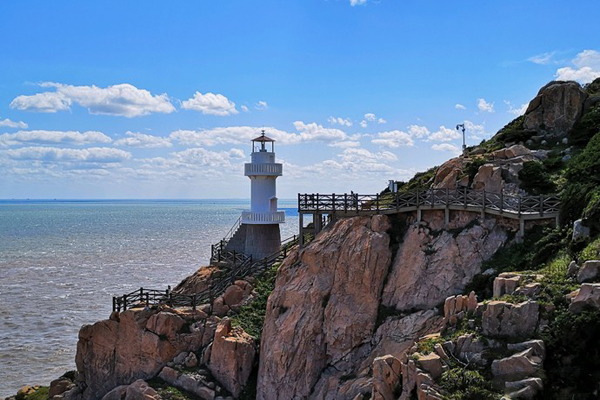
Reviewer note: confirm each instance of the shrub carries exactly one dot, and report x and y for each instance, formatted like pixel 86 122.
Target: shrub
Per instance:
pixel 535 179
pixel 464 384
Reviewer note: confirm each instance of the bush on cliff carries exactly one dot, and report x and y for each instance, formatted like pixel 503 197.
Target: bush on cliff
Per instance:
pixel 581 192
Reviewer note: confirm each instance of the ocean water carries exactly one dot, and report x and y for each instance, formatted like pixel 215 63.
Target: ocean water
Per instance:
pixel 62 261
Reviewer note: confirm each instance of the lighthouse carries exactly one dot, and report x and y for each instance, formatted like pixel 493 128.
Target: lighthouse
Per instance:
pixel 258 234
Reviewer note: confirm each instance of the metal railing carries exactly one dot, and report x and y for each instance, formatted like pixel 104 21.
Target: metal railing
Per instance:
pixel 241 267
pixel 467 198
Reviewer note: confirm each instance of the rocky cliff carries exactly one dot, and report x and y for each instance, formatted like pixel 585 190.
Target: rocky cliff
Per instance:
pixel 388 307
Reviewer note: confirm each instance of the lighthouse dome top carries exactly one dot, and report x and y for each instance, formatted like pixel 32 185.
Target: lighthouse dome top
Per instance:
pixel 262 140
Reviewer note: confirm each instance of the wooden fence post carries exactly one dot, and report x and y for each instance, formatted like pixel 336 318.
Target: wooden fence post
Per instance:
pixel 541 205
pixel 124 302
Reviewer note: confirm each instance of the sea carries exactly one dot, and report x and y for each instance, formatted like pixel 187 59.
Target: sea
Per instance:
pixel 62 261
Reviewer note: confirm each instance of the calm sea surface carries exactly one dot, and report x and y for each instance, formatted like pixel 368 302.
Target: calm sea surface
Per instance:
pixel 62 261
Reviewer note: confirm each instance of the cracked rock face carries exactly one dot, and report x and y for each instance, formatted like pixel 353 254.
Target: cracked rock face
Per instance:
pixel 432 264
pixel 321 315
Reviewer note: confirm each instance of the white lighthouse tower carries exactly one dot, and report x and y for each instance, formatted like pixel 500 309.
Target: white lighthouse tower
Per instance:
pixel 258 234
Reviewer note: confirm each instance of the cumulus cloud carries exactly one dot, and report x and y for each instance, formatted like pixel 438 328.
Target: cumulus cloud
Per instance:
pixel 363 123
pixel 393 139
pixel 358 2
pixel 340 121
pixel 46 137
pixel 123 100
pixel 314 132
pixel 370 117
pixel 586 68
pixel 459 106
pixel 345 144
pixel 444 135
pixel 485 106
pixel 55 154
pixel 418 131
pixel 244 108
pixel 447 147
pixel 13 124
pixel 381 121
pixel 261 105
pixel 144 141
pixel 210 103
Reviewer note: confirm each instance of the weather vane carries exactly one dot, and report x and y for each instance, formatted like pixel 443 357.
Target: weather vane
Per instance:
pixel 463 132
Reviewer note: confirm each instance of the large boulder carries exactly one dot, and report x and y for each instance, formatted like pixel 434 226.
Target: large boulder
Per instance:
pixel 588 296
pixel 489 178
pixel 518 366
pixel 589 271
pixel 556 108
pixel 503 319
pixel 448 173
pixel 321 315
pixel 231 357
pixel 387 379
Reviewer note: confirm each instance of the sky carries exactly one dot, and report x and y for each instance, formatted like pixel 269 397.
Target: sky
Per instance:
pixel 159 99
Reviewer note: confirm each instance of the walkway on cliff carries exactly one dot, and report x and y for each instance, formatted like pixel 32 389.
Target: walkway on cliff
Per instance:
pixel 234 266
pixel 333 205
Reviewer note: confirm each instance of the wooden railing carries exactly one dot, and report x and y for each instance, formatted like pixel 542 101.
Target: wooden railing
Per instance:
pixel 407 201
pixel 238 268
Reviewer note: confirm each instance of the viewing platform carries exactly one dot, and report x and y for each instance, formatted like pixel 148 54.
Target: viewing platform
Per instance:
pixel 333 205
pixel 273 169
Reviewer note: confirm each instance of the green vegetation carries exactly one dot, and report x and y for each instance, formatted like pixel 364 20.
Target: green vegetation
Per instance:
pixel 426 346
pixel 513 132
pixel 40 393
pixel 421 180
pixel 252 316
pixel 467 384
pixel 590 252
pixel 168 392
pixel 535 179
pixel 581 193
pixel 586 127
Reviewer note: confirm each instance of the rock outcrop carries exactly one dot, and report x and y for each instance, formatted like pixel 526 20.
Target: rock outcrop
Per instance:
pixel 432 264
pixel 232 357
pixel 588 296
pixel 556 108
pixel 503 319
pixel 321 315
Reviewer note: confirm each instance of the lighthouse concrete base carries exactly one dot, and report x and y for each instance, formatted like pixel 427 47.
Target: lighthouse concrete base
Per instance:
pixel 259 241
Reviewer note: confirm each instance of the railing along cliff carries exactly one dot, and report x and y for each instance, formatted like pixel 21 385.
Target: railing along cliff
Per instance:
pixel 475 200
pixel 239 266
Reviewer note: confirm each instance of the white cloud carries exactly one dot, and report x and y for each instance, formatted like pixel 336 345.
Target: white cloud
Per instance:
pixel 55 154
pixel 123 100
pixel 244 108
pixel 459 106
pixel 363 123
pixel 418 131
pixel 542 59
pixel 516 110
pixel 381 121
pixel 393 139
pixel 444 135
pixel 485 106
pixel 261 105
pixel 42 136
pixel 13 124
pixel 47 102
pixel 144 141
pixel 358 2
pixel 345 144
pixel 446 147
pixel 340 121
pixel 243 134
pixel 210 103
pixel 587 68
pixel 370 117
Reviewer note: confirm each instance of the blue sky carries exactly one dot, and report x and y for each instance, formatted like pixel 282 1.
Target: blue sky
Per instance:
pixel 159 99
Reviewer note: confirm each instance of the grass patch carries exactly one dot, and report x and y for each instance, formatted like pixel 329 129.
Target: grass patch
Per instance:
pixel 41 393
pixel 252 316
pixel 466 384
pixel 590 252
pixel 168 392
pixel 427 346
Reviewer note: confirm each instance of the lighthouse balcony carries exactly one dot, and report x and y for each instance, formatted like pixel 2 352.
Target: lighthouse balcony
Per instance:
pixel 270 169
pixel 249 217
